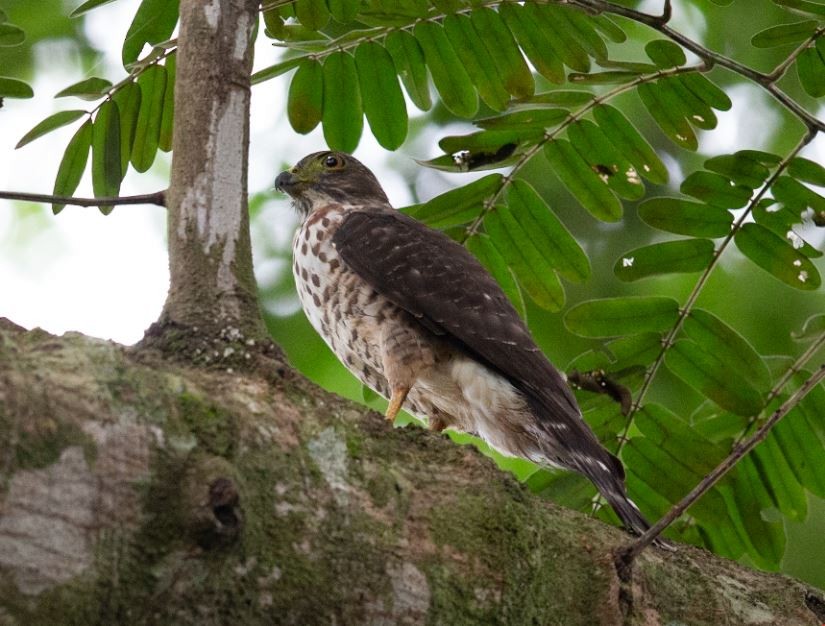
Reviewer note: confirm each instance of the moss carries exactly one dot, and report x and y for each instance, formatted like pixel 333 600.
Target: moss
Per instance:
pixel 523 569
pixel 40 444
pixel 214 427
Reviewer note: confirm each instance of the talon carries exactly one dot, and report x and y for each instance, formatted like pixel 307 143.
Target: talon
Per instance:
pixel 397 399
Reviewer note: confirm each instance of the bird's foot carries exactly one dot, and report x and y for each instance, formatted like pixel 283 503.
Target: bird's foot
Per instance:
pixel 399 395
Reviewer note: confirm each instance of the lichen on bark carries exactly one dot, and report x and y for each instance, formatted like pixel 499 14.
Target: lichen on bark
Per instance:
pixel 253 497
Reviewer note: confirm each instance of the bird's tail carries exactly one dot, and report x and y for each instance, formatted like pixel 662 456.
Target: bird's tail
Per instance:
pixel 607 474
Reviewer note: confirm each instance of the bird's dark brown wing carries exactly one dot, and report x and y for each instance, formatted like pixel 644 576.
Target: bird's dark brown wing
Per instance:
pixel 440 283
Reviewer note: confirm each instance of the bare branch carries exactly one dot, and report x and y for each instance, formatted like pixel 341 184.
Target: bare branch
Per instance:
pixel 630 552
pixel 158 198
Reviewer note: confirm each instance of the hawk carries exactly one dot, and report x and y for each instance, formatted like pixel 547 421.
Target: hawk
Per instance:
pixel 417 319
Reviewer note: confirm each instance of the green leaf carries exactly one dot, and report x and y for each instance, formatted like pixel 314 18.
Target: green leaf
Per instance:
pixel 779 479
pixel 510 65
pixel 381 94
pixel 613 317
pixel 525 119
pixel 665 108
pixel 484 250
pixel 88 89
pixel 608 28
pixel 152 85
pixel 795 195
pixel 276 70
pixel 531 268
pixel 558 97
pixel 605 160
pixel 154 22
pixel 765 158
pixel 813 328
pixel 88 6
pixel 808 171
pixel 627 140
pixel 671 257
pixel 106 173
pixel 533 41
pixel 72 164
pixel 344 11
pixel 128 100
pixel 784 34
pixel 683 217
pixel 410 64
pixel 450 77
pixel 574 172
pixel 168 117
pixel 490 141
pixel 695 110
pixel 305 101
pixel 581 27
pixel 53 122
pixel 547 233
pixel 457 206
pixel 313 14
pixel 665 54
pixel 477 61
pixel 551 19
pixel 777 257
pixel 802 449
pixel 741 167
pixel 728 346
pixel 669 431
pixel 782 221
pixel 11 35
pixel 803 6
pixel 704 372
pixel 707 91
pixel 810 66
pixel 716 189
pixel 343 117
pixel 647 460
pixel 767 538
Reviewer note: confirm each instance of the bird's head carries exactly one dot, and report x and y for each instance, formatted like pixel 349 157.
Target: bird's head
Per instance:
pixel 324 177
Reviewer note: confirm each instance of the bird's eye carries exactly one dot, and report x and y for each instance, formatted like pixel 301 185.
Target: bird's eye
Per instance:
pixel 333 162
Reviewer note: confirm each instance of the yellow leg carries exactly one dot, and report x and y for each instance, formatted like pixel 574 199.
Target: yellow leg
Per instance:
pixel 398 396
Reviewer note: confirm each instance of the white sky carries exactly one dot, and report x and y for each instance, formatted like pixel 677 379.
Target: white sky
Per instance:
pixel 107 276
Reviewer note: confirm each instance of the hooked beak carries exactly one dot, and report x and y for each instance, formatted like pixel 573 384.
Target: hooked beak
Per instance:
pixel 286 182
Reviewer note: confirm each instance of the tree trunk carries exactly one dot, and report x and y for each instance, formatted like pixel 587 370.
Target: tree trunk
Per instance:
pixel 140 491
pixel 212 293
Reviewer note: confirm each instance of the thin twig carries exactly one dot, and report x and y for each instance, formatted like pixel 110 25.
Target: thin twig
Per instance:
pixel 628 553
pixel 780 69
pixel 158 198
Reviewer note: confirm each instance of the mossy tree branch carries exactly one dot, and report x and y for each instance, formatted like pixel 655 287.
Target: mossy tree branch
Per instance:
pixel 153 492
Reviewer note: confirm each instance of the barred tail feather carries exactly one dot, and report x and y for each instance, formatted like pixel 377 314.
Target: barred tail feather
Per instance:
pixel 610 483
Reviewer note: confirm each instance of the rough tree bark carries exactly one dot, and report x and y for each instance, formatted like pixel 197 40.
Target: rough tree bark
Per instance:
pixel 195 479
pixel 139 491
pixel 212 293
